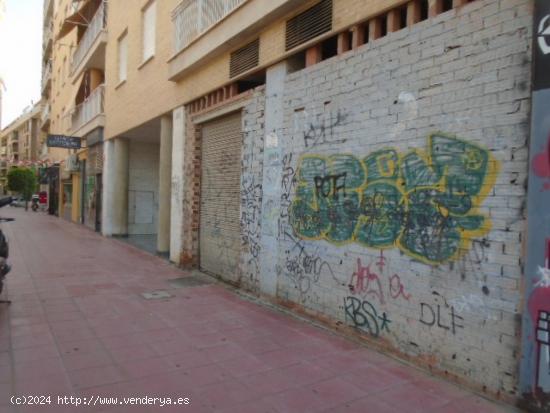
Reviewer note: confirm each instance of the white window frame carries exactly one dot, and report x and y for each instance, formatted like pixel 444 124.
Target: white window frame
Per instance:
pixel 148 30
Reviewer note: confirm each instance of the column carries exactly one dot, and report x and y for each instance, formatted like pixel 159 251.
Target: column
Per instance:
pixel 178 182
pixel 165 182
pixel 108 188
pixel 115 187
pixel 272 176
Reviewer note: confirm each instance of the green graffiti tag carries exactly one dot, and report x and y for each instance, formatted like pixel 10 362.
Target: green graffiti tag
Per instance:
pixel 424 203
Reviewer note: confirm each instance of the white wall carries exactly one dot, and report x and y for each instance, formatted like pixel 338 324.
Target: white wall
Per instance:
pixel 143 192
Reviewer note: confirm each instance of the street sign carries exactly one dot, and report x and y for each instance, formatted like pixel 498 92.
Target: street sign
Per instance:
pixel 62 141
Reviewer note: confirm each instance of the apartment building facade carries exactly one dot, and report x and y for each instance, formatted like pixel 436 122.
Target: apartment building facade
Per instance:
pixel 75 115
pixel 20 143
pixel 361 162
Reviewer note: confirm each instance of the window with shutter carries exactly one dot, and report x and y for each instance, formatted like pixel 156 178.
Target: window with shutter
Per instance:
pixel 122 57
pixel 149 20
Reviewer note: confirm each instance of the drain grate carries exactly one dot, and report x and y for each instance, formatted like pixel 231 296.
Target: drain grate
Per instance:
pixel 156 295
pixel 189 281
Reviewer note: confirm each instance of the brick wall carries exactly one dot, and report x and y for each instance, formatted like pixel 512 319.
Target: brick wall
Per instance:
pixel 403 173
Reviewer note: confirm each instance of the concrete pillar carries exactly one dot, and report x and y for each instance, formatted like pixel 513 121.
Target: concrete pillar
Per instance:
pixel 375 29
pixel 120 190
pixel 108 188
pixel 413 12
pixel 344 42
pixel 435 7
pixel 394 20
pixel 458 3
pixel 313 55
pixel 272 176
pixel 178 184
pixel 358 36
pixel 165 182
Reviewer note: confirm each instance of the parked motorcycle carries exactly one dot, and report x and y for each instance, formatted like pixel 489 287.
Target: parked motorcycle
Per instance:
pixel 4 249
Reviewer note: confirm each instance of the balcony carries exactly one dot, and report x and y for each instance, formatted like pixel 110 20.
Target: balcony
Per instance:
pixel 89 114
pixel 45 118
pixel 90 52
pixel 47 40
pixel 205 29
pixel 193 18
pixel 48 9
pixel 46 77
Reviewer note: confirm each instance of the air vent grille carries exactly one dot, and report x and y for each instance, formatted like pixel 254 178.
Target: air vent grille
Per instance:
pixel 245 58
pixel 309 24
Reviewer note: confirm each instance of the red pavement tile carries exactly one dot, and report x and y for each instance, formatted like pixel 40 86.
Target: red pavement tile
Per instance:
pixel 38 370
pixel 335 391
pixel 365 405
pixel 83 360
pixel 95 376
pixel 204 375
pixel 413 398
pixel 373 379
pixel 35 354
pixel 245 366
pixel 296 401
pixel 224 352
pixel 133 353
pixel 136 369
pixel 188 359
pixel 225 394
pixel 306 373
pixel 268 382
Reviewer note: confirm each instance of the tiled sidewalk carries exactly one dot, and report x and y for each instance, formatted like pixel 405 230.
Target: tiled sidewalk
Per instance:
pixel 79 326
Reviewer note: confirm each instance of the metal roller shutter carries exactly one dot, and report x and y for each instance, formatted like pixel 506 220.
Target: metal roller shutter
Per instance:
pixel 220 195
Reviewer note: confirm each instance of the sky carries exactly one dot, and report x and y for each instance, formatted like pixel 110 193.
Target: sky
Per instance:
pixel 20 55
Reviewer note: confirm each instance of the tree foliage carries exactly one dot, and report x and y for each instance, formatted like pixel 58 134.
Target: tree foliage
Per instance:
pixel 22 181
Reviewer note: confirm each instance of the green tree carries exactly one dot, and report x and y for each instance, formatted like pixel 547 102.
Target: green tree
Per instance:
pixel 24 182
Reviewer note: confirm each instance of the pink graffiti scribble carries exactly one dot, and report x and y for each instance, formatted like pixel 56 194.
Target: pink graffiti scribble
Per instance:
pixel 541 165
pixel 397 288
pixel 381 261
pixel 367 282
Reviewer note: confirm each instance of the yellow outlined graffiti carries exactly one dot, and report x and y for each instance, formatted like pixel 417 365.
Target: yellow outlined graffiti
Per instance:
pixel 426 203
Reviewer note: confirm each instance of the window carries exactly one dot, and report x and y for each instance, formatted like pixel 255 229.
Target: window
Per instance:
pixel 122 57
pixel 148 30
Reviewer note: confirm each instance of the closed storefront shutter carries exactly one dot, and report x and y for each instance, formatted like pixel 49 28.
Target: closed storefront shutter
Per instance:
pixel 220 195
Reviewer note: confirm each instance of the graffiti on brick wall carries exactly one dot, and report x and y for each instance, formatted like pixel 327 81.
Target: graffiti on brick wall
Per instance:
pixel 442 316
pixel 304 268
pixel 364 315
pixel 251 205
pixel 423 202
pixel 371 281
pixel 319 129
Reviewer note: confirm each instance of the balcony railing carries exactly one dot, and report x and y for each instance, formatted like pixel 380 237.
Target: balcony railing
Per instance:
pixel 47 4
pixel 47 36
pixel 96 26
pixel 46 73
pixel 191 18
pixel 89 109
pixel 44 116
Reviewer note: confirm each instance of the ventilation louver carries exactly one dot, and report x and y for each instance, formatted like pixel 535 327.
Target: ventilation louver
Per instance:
pixel 309 24
pixel 245 58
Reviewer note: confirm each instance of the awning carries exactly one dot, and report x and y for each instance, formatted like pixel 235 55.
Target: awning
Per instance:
pixel 81 17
